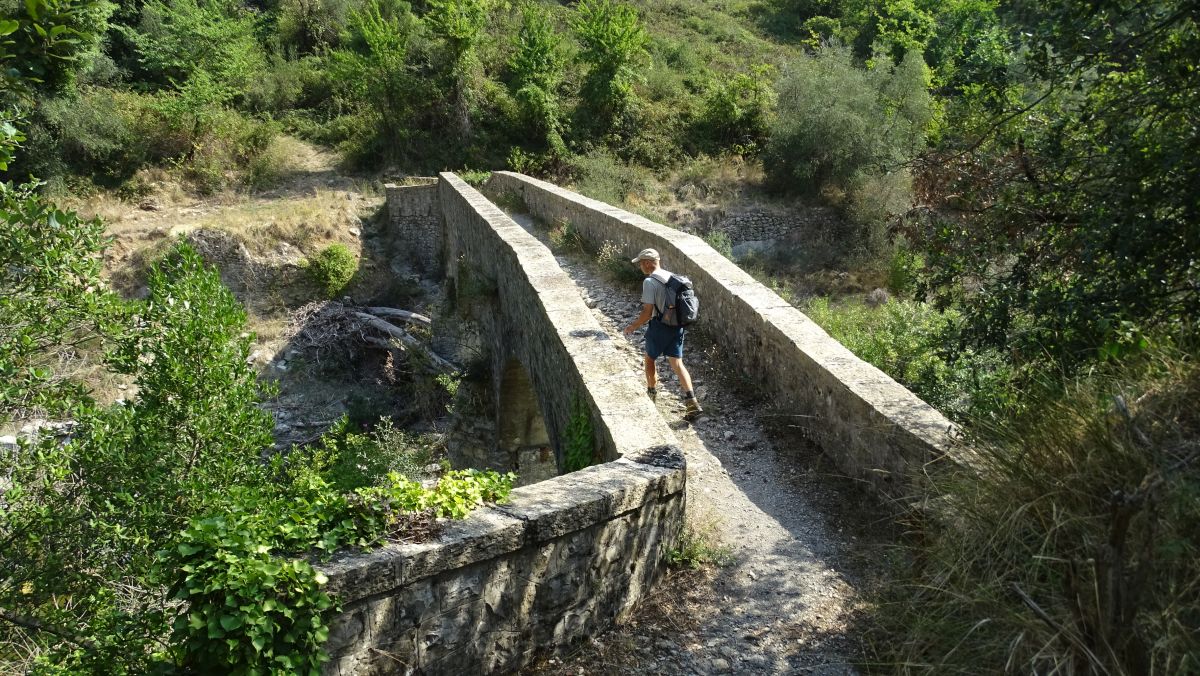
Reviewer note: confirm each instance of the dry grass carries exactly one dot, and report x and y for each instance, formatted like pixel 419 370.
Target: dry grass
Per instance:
pixel 1075 549
pixel 308 223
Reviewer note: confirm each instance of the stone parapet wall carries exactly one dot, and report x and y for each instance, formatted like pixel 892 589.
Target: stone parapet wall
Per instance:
pixel 564 558
pixel 560 562
pixel 874 428
pixel 542 321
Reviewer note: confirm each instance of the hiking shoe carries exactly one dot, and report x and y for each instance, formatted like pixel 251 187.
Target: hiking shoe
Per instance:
pixel 693 407
pixel 652 393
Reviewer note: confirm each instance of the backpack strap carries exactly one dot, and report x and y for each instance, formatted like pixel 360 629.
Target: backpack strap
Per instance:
pixel 658 313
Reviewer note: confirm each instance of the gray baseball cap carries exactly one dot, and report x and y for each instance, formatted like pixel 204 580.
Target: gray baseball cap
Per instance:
pixel 646 255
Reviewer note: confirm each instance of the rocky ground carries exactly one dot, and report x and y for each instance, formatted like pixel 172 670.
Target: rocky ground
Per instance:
pixel 796 539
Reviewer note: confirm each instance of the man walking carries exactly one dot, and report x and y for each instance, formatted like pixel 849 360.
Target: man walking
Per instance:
pixel 661 339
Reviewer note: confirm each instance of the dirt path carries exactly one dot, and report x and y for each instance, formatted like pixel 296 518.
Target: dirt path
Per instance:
pixel 787 601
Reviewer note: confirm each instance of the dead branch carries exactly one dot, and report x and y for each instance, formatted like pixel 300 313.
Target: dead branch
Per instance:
pixel 400 314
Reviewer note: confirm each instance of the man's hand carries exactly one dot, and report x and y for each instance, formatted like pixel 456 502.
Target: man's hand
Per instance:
pixel 629 329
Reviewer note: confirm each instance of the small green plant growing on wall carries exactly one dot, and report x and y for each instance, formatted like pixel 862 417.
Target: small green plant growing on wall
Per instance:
pixel 564 236
pixel 579 447
pixel 332 268
pixel 617 266
pixel 697 548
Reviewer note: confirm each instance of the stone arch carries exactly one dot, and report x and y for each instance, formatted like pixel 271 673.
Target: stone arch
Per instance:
pixel 521 429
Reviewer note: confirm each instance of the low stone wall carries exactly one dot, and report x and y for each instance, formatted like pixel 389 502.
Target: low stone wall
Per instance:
pixel 558 563
pixel 414 220
pixel 565 557
pixel 874 428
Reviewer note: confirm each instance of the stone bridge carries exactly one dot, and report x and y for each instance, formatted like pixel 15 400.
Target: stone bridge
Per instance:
pixel 574 551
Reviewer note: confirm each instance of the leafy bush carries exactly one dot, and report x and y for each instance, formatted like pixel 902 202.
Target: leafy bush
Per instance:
pixel 537 66
pixel 697 548
pixel 720 242
pixel 83 520
pixel 333 268
pixel 179 40
pixel 1071 544
pixel 737 111
pixel 45 306
pixel 253 604
pixel 602 176
pixel 904 270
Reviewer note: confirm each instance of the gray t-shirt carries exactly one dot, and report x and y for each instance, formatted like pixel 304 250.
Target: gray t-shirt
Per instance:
pixel 654 289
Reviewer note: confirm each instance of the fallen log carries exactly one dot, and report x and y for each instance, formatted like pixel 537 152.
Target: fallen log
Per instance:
pixel 405 339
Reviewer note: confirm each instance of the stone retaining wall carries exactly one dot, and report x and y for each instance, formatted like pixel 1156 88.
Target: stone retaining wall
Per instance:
pixel 414 220
pixel 757 225
pixel 565 557
pixel 874 428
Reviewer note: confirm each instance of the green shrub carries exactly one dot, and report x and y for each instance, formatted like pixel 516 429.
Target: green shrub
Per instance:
pixel 253 605
pixel 537 66
pixel 82 521
pixel 602 176
pixel 350 460
pixel 180 40
pixel 904 270
pixel 697 548
pixel 906 340
pixel 613 43
pixel 720 242
pixel 737 111
pixel 333 268
pixel 838 123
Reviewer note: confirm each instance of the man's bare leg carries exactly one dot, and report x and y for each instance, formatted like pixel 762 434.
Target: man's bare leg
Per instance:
pixel 685 378
pixel 685 381
pixel 651 372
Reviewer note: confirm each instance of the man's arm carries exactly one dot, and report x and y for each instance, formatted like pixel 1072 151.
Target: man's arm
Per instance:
pixel 647 313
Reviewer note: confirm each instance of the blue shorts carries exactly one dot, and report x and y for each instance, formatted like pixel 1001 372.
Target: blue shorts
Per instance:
pixel 663 340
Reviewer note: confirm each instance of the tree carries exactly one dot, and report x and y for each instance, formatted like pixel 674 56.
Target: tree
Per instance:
pixel 1074 222
pixel 179 40
pixel 84 520
pixel 370 70
pixel 737 111
pixel 614 44
pixel 459 23
pixel 537 66
pixel 837 123
pixel 39 51
pixel 52 297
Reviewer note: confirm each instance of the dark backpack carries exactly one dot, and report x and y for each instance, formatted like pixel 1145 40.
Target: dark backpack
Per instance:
pixel 682 306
